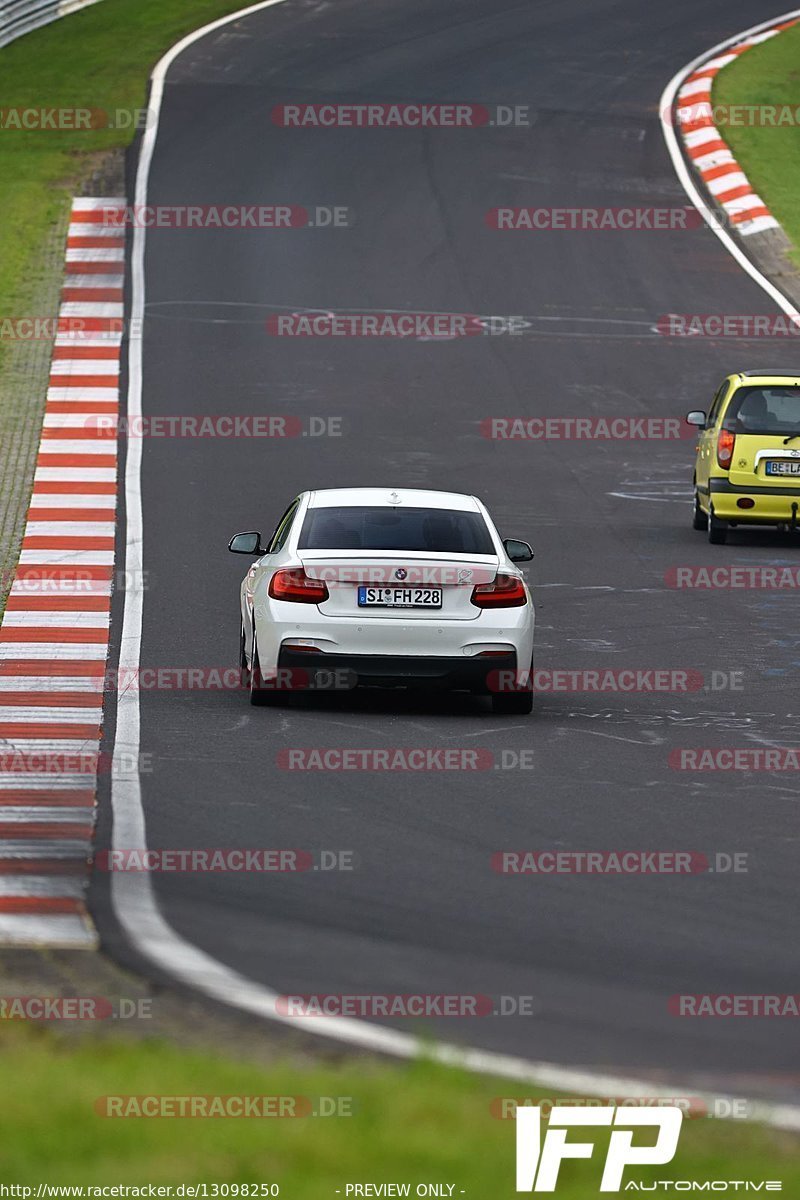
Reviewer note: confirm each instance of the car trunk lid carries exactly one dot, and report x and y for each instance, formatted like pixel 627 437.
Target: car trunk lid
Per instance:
pixel 402 582
pixel 765 460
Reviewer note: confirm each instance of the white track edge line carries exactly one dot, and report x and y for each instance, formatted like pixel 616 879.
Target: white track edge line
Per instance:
pixel 132 896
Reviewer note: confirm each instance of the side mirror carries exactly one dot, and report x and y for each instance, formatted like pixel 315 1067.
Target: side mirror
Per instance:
pixel 246 543
pixel 696 417
pixel 517 551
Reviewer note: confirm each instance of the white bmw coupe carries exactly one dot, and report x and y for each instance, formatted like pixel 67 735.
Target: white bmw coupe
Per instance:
pixel 382 588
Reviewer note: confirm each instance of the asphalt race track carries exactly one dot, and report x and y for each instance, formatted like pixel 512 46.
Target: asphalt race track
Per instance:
pixel 424 911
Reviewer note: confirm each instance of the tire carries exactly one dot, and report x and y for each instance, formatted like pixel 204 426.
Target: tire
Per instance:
pixel 260 696
pixel 699 518
pixel 514 704
pixel 717 530
pixel 244 670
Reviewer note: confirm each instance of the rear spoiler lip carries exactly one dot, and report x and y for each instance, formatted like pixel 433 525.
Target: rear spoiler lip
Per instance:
pixel 404 555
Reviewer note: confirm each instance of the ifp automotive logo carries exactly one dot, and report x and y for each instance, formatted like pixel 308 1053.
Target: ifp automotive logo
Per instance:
pixel 539 1160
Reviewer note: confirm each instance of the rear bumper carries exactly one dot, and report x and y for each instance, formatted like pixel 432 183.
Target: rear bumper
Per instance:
pixel 343 671
pixel 771 505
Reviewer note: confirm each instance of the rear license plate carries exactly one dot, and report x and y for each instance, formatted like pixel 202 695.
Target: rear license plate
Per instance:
pixel 395 597
pixel 782 466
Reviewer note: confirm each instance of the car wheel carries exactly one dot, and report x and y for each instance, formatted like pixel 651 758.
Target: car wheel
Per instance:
pixel 699 518
pixel 717 530
pixel 260 696
pixel 515 704
pixel 244 670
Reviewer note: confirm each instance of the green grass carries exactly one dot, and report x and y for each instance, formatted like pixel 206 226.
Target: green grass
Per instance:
pixel 411 1123
pixel 770 157
pixel 100 59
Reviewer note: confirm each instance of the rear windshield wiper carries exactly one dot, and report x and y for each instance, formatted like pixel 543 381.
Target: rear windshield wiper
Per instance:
pixel 790 437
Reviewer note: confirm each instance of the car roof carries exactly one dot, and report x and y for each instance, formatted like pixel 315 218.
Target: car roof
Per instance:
pixel 770 375
pixel 391 498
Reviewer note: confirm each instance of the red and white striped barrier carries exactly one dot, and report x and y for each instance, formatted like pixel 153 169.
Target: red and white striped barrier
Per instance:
pixel 54 634
pixel 710 153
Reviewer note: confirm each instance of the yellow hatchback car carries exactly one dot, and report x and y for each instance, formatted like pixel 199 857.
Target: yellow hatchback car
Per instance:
pixel 747 470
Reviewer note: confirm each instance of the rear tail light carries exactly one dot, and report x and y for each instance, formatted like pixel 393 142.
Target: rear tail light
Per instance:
pixel 507 591
pixel 725 443
pixel 296 586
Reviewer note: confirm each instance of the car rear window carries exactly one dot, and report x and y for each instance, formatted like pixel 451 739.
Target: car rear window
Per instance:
pixel 764 410
pixel 439 530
